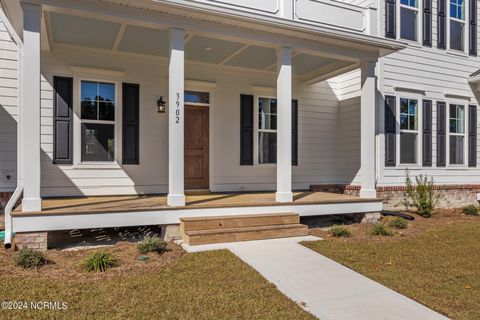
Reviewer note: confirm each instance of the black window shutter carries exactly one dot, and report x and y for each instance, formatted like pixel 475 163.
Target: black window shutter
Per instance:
pixel 63 120
pixel 427 133
pixel 472 136
pixel 473 28
pixel 390 19
pixel 246 130
pixel 427 23
pixel 130 123
pixel 294 132
pixel 442 24
pixel 390 131
pixel 441 134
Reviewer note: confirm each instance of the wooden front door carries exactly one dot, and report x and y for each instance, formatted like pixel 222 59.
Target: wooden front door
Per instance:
pixel 196 147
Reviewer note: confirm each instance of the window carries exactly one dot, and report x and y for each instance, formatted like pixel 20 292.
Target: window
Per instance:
pixel 457 134
pixel 457 24
pixel 197 97
pixel 409 19
pixel 97 103
pixel 267 130
pixel 408 131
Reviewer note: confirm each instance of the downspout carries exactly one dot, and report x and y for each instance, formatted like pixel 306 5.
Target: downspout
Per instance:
pixel 19 189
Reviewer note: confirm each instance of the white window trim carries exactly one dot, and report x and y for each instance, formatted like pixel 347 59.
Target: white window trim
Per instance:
pixel 77 121
pixel 465 29
pixel 257 131
pixel 419 22
pixel 465 136
pixel 419 131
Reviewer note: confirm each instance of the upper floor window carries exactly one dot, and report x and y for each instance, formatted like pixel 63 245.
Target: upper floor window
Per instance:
pixel 97 121
pixel 267 130
pixel 457 25
pixel 457 134
pixel 408 131
pixel 409 19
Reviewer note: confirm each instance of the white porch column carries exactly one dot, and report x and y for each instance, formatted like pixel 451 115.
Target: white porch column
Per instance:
pixel 176 193
pixel 30 134
pixel 367 134
pixel 284 125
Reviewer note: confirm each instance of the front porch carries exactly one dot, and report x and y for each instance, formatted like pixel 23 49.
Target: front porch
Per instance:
pixel 123 211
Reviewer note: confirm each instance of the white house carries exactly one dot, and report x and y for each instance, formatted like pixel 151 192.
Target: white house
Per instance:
pixel 122 113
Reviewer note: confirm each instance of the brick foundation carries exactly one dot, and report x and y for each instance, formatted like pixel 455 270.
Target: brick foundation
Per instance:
pixel 395 197
pixel 171 232
pixel 32 240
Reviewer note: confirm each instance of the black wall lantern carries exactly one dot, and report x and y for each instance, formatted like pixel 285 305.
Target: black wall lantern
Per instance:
pixel 161 105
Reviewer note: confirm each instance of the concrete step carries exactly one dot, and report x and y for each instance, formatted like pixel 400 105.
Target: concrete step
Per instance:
pixel 199 237
pixel 238 221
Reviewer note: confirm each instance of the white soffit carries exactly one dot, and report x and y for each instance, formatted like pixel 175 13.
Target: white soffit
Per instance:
pixel 210 50
pixel 254 57
pixel 82 31
pixel 145 41
pixel 303 63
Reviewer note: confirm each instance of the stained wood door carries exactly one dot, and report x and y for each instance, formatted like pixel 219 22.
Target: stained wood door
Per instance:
pixel 196 147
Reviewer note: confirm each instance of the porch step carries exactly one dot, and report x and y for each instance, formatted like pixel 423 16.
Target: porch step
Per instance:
pixel 206 230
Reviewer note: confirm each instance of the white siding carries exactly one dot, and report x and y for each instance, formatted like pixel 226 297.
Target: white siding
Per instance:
pixel 437 72
pixel 8 109
pixel 319 140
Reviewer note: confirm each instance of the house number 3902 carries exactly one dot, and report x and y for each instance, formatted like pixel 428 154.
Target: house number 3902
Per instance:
pixel 177 109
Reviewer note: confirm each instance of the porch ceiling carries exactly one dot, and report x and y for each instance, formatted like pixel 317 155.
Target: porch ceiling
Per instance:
pixel 101 34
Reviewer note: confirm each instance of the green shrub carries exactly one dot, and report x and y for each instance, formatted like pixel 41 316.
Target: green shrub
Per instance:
pixel 27 258
pixel 152 244
pixel 421 194
pixel 381 230
pixel 99 261
pixel 471 210
pixel 398 223
pixel 339 231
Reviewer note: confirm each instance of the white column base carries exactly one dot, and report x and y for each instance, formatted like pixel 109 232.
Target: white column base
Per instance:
pixel 31 204
pixel 176 200
pixel 368 193
pixel 284 197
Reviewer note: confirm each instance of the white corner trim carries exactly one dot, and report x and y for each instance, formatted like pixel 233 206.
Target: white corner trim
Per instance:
pixel 200 83
pixel 98 72
pixel 457 96
pixel 411 90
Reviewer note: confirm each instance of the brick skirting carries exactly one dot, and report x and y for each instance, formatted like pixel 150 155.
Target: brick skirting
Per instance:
pixel 395 197
pixel 32 240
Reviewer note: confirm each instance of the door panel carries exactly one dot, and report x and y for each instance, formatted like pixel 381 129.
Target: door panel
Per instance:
pixel 196 147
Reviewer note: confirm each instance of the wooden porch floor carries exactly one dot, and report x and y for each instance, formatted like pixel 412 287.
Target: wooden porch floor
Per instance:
pixel 109 204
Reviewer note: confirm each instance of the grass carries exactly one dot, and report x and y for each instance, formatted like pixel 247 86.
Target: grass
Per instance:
pixel 209 285
pixel 436 264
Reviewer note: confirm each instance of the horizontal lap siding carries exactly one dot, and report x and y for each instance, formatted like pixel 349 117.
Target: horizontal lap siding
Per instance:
pixel 318 121
pixel 437 72
pixel 8 109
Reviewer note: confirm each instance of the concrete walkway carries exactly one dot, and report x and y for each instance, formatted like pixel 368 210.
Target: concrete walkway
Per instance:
pixel 323 287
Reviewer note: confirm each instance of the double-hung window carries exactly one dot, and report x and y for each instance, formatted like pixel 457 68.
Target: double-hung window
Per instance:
pixel 97 116
pixel 457 25
pixel 409 15
pixel 267 130
pixel 457 134
pixel 408 131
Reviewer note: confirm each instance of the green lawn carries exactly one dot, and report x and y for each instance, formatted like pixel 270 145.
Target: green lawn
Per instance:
pixel 438 266
pixel 210 285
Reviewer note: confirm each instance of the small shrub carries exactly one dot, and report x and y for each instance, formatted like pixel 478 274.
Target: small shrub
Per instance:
pixel 381 230
pixel 399 223
pixel 99 261
pixel 421 194
pixel 27 258
pixel 339 231
pixel 152 244
pixel 471 210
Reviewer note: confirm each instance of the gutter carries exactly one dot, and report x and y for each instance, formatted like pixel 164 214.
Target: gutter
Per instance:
pixel 19 189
